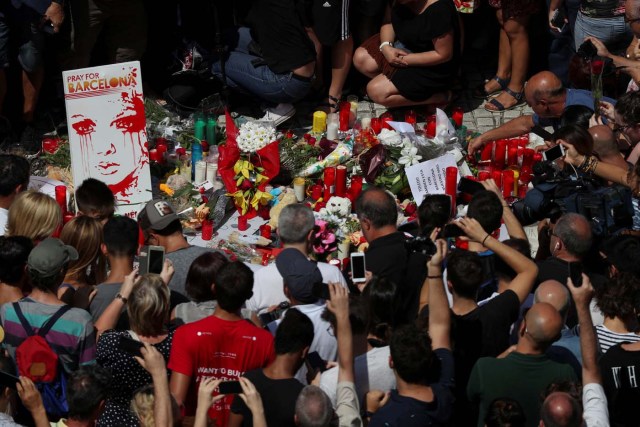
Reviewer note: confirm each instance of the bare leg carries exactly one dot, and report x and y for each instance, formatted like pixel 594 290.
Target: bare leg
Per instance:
pixel 516 30
pixel 504 57
pixel 31 84
pixel 382 91
pixel 365 63
pixel 341 56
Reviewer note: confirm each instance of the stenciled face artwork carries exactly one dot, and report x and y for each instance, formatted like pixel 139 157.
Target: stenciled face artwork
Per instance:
pixel 114 147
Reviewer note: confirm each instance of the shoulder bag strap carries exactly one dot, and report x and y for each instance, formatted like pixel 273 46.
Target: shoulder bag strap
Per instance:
pixel 27 327
pixel 44 330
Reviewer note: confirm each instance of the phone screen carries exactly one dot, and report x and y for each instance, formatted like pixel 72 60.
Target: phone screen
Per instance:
pixel 575 272
pixel 553 153
pixel 230 387
pixel 316 361
pixel 8 380
pixel 321 290
pixel 357 267
pixel 131 346
pixel 450 230
pixel 469 186
pixel 156 259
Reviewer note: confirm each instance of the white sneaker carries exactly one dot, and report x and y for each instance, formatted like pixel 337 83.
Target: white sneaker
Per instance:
pixel 279 114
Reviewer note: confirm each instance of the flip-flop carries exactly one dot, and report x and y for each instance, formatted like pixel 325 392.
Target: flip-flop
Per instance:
pixel 518 96
pixel 480 92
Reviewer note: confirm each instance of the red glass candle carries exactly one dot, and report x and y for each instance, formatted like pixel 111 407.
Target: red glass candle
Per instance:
pixel 537 158
pixel 527 158
pixel 486 151
pixel 522 191
pixel 207 229
pixel 457 115
pixel 341 181
pixel 500 153
pixel 356 187
pixel 376 125
pixel 483 175
pixel 344 116
pixel 68 216
pixel 243 223
pixel 430 127
pixel 497 177
pixel 512 156
pixel 523 141
pixel 61 197
pixel 265 231
pixel 386 118
pixel 329 182
pixel 507 183
pixel 316 192
pixel 50 145
pixel 155 155
pixel 451 185
pixel 410 117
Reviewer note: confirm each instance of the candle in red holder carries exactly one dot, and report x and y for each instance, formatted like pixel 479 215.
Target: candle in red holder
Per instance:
pixel 243 223
pixel 486 151
pixel 386 118
pixel 451 185
pixel 537 158
pixel 376 125
pixel 344 120
pixel 316 192
pixel 155 155
pixel 265 231
pixel 457 114
pixel 356 187
pixel 207 229
pixel 500 153
pixel 507 183
pixel 329 182
pixel 68 216
pixel 161 145
pixel 522 191
pixel 497 177
pixel 341 181
pixel 61 197
pixel 523 141
pixel 50 145
pixel 483 175
pixel 527 158
pixel 430 127
pixel 512 156
pixel 410 117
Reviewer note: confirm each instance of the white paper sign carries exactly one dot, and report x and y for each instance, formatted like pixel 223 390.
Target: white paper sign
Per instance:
pixel 402 127
pixel 107 131
pixel 429 177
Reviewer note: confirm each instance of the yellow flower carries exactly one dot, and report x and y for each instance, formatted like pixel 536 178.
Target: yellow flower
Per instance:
pixel 165 188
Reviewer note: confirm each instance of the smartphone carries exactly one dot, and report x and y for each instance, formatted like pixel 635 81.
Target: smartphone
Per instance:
pixel 272 316
pixel 358 267
pixel 316 362
pixel 151 259
pixel 8 380
pixel 553 153
pixel 131 346
pixel 542 133
pixel 450 230
pixel 558 19
pixel 469 186
pixel 230 387
pixel 321 290
pixel 575 272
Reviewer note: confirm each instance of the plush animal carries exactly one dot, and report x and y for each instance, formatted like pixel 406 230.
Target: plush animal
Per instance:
pixel 339 206
pixel 287 197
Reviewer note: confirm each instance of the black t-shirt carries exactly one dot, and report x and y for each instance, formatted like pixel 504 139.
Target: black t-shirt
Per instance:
pixel 278 399
pixel 277 27
pixel 620 378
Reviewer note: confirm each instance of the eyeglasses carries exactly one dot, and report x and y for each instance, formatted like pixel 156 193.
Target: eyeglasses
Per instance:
pixel 631 21
pixel 619 129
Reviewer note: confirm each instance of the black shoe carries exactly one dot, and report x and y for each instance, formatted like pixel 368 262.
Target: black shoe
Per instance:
pixel 31 139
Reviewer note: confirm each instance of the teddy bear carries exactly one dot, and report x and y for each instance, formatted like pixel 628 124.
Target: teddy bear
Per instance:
pixel 285 198
pixel 339 206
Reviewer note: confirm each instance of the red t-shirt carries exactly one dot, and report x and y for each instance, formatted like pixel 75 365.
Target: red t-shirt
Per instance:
pixel 221 349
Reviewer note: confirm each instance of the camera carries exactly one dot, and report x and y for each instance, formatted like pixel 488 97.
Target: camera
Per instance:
pixel 274 315
pixel 422 245
pixel 587 50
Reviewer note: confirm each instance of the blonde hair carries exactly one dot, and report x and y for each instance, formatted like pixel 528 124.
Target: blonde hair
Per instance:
pixel 85 234
pixel 148 306
pixel 142 405
pixel 34 215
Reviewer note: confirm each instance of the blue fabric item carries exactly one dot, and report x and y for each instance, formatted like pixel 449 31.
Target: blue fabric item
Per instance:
pixel 574 97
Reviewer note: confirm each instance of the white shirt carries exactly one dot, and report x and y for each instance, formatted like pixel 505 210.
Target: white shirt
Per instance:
pixel 268 285
pixel 4 216
pixel 594 402
pixel 372 372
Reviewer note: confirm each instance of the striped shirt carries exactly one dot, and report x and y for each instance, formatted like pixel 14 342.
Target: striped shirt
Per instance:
pixel 607 338
pixel 72 336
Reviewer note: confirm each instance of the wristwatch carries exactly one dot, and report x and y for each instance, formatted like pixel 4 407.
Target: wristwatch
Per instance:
pixel 121 298
pixel 383 44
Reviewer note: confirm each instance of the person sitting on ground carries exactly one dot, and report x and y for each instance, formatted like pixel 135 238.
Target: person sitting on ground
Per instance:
pixel 14 252
pixel 14 179
pixel 34 215
pixel 85 234
pixel 95 199
pixel 162 227
pixel 412 59
pixel 295 229
pixel 276 382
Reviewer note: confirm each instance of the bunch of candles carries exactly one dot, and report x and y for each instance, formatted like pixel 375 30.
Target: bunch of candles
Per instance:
pixel 335 184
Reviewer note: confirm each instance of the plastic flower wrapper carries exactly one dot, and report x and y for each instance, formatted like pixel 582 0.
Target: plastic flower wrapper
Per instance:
pixel 341 154
pixel 254 136
pixel 372 162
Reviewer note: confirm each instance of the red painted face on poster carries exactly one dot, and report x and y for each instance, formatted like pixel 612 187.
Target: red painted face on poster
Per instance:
pixel 114 144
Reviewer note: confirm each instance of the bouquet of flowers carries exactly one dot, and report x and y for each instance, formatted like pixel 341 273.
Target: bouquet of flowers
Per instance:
pixel 248 162
pixel 324 242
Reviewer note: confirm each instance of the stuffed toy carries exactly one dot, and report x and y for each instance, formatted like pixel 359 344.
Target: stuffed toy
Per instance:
pixel 287 197
pixel 339 206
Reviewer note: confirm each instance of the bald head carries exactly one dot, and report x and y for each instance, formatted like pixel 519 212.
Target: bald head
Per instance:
pixel 604 141
pixel 543 85
pixel 562 410
pixel 574 230
pixel 554 293
pixel 378 207
pixel 543 325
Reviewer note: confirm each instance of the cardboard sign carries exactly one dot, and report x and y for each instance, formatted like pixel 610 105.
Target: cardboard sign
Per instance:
pixel 429 177
pixel 107 131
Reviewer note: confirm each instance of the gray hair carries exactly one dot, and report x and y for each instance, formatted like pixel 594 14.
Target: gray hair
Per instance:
pixel 295 223
pixel 313 407
pixel 575 232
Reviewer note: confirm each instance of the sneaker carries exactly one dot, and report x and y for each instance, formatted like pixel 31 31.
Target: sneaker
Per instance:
pixel 279 114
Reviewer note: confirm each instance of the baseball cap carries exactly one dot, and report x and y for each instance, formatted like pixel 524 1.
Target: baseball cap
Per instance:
pixel 299 274
pixel 48 258
pixel 623 252
pixel 159 215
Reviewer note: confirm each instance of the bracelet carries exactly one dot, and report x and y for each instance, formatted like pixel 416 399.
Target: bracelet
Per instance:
pixel 383 44
pixel 367 414
pixel 485 238
pixel 435 277
pixel 121 298
pixel 589 164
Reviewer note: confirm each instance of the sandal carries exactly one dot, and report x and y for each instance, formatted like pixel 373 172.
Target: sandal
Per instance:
pixel 481 93
pixel 518 96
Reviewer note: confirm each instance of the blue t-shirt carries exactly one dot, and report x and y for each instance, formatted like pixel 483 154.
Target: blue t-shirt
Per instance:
pixel 402 411
pixel 574 97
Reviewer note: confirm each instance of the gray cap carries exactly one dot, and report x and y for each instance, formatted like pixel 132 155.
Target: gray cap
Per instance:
pixel 299 274
pixel 160 214
pixel 50 256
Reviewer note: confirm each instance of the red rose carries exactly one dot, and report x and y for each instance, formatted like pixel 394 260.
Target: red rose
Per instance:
pixel 246 185
pixel 410 209
pixel 596 66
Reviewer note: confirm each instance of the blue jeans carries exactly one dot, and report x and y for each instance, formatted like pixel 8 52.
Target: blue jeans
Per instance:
pixel 613 32
pixel 258 80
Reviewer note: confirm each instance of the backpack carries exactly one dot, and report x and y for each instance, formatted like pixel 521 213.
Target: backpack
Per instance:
pixel 37 361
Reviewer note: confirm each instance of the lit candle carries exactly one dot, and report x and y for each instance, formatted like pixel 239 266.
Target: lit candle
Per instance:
pixel 386 118
pixel 497 177
pixel 527 158
pixel 486 151
pixel 356 187
pixel 457 115
pixel 207 229
pixel 365 123
pixel 341 181
pixel 500 153
pixel 484 175
pixel 376 125
pixel 507 183
pixel 329 182
pixel 451 186
pixel 243 223
pixel 512 156
pixel 410 117
pixel 61 197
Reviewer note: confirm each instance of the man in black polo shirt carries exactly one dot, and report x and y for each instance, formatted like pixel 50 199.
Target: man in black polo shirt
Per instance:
pixel 274 59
